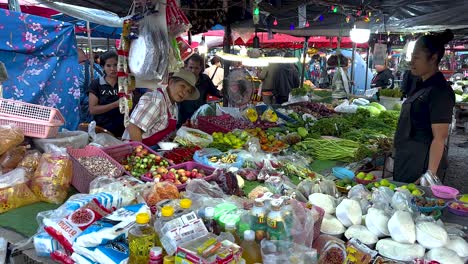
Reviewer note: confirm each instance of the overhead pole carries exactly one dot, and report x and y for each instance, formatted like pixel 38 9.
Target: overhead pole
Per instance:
pixel 14 5
pixel 226 64
pixel 90 45
pixel 304 53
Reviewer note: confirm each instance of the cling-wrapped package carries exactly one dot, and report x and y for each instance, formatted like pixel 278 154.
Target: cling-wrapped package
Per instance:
pixel 10 137
pixel 15 191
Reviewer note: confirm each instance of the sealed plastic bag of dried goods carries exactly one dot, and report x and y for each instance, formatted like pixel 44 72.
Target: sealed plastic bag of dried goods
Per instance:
pixel 10 137
pixel 377 222
pixel 10 159
pixel 14 191
pixel 399 251
pixel 349 212
pixel 30 162
pixel 444 256
pixel 431 235
pixel 53 176
pixel 401 227
pixel 361 233
pixel 160 191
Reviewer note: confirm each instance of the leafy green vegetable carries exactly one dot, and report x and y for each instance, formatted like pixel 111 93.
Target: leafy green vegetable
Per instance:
pixel 459 92
pixel 332 126
pixel 330 149
pixel 396 93
pixel 299 92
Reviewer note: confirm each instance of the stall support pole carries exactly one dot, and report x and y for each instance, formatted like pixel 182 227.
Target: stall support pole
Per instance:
pixel 304 55
pixel 14 5
pixel 352 68
pixel 227 64
pixel 91 56
pixel 367 67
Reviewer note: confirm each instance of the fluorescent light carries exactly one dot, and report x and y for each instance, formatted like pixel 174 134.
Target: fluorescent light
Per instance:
pixel 360 33
pixel 254 63
pixel 409 50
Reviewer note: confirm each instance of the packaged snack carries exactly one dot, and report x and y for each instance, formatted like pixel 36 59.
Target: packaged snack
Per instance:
pixel 333 253
pixel 30 162
pixel 14 191
pixel 53 176
pixel 10 136
pixel 68 228
pixel 160 191
pixel 357 252
pixel 10 159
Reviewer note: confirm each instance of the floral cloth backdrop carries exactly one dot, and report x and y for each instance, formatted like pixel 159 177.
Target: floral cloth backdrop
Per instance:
pixel 41 59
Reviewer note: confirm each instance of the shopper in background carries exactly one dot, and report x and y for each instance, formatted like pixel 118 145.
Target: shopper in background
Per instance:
pixel 286 79
pixel 341 83
pixel 204 85
pixel 423 127
pixel 104 99
pixel 84 80
pixel 216 73
pixel 383 80
pixel 267 75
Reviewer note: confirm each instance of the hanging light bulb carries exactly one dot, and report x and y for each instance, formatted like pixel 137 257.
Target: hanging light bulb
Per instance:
pixel 275 23
pixel 377 19
pixel 366 19
pixel 332 8
pixel 321 17
pixel 257 11
pixel 388 39
pixel 388 33
pixel 360 33
pixel 291 27
pixel 256 15
pixel 358 13
pixel 401 38
pixel 307 24
pixel 335 9
pixel 370 14
pixel 347 19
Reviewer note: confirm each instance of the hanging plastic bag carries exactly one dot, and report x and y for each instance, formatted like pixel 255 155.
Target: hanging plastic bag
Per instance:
pixel 192 137
pixel 148 55
pixel 53 175
pixel 10 136
pixel 14 190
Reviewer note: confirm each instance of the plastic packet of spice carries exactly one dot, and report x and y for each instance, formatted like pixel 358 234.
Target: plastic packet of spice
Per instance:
pixel 333 253
pixel 110 227
pixel 68 228
pixel 357 252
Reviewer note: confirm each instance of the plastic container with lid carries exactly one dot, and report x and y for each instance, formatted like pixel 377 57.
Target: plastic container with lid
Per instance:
pixel 209 221
pixel 251 250
pixel 156 255
pixel 141 238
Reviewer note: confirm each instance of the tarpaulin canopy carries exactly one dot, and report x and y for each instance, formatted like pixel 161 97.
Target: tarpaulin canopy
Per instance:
pixel 42 63
pixel 97 30
pixel 31 7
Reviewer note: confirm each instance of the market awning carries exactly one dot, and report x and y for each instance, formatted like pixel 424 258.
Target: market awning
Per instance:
pixel 97 31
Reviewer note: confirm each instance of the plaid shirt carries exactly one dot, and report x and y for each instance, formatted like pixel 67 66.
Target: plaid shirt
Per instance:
pixel 150 115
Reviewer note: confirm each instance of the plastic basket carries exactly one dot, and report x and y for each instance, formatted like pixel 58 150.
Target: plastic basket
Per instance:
pixel 81 176
pixel 121 152
pixel 35 120
pixel 30 129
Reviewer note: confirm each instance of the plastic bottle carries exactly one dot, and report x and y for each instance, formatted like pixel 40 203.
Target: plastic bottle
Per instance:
pixel 209 221
pixel 251 250
pixel 156 255
pixel 167 214
pixel 287 211
pixel 231 228
pixel 275 223
pixel 141 238
pixel 258 214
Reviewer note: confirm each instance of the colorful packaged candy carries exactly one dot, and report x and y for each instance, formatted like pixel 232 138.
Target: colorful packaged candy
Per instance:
pixel 14 191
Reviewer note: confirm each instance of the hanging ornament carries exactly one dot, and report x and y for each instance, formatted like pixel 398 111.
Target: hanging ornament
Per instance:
pixel 347 19
pixel 307 24
pixel 291 27
pixel 275 23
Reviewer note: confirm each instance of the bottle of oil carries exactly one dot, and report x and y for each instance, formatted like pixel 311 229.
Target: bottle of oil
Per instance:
pixel 275 223
pixel 251 250
pixel 230 227
pixel 258 214
pixel 141 238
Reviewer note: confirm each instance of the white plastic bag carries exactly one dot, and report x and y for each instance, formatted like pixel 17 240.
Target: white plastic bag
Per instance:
pixel 349 212
pixel 324 201
pixel 193 137
pixel 361 233
pixel 399 251
pixel 401 227
pixel 430 235
pixel 458 245
pixel 331 225
pixel 101 140
pixel 444 256
pixel 429 179
pixel 377 222
pixel 346 107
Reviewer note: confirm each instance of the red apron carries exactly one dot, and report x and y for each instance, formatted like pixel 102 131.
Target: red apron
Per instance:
pixel 157 137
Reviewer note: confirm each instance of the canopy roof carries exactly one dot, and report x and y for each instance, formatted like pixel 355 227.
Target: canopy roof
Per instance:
pixel 405 16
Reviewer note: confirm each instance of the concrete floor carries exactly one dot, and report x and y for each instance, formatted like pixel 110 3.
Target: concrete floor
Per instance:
pixel 457 173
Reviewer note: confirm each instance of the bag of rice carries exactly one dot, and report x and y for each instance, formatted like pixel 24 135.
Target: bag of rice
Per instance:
pixel 401 227
pixel 331 226
pixel 349 212
pixel 430 235
pixel 324 201
pixel 399 251
pixel 377 222
pixel 444 256
pixel 361 233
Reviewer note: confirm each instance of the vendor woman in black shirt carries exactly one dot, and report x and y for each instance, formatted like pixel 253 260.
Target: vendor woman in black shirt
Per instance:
pixel 423 127
pixel 104 99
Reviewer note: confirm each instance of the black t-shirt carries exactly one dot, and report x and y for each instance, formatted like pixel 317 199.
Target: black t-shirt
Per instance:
pixel 433 107
pixel 106 94
pixel 384 79
pixel 187 108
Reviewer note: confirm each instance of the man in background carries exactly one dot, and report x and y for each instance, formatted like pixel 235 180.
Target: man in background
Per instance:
pixel 216 73
pixel 84 81
pixel 204 85
pixel 384 79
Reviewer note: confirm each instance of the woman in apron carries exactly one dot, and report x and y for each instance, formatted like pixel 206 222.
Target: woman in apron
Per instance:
pixel 423 127
pixel 155 116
